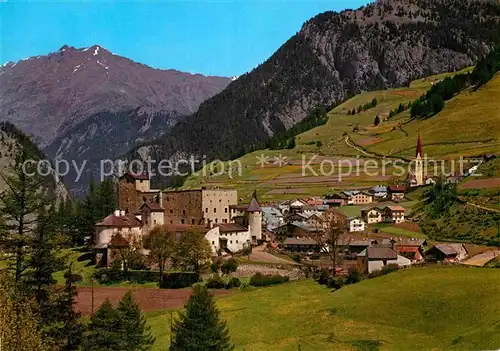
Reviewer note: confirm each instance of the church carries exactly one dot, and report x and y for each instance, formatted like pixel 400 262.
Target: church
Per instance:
pixel 416 178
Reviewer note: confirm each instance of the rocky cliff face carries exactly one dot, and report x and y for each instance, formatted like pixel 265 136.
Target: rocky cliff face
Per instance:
pixel 11 141
pixel 90 104
pixel 335 55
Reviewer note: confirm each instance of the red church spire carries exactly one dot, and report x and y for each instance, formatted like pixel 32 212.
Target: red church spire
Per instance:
pixel 419 147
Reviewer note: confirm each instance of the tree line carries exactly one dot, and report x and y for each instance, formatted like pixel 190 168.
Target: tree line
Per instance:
pixel 434 100
pixel 364 107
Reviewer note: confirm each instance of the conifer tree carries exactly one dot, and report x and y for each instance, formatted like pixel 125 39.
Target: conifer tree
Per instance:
pixel 136 334
pixel 20 203
pixel 200 326
pixel 67 330
pixel 104 331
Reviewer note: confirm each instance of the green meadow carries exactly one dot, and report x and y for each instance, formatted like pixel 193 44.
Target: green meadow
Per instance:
pixel 432 308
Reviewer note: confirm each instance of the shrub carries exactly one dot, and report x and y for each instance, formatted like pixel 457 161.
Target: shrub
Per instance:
pixel 258 279
pixel 233 283
pixel 355 276
pixel 215 282
pixel 323 277
pixel 246 287
pixel 179 280
pixel 390 268
pixel 229 266
pixel 296 258
pixel 335 282
pixel 111 275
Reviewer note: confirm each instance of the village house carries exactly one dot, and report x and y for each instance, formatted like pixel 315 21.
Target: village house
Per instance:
pixel 413 253
pixel 372 215
pixel 355 224
pixel 295 229
pixel 394 214
pixel 379 192
pixel 304 245
pixel 128 226
pixel 397 192
pixel 447 252
pixel 356 197
pixel 374 258
pixel 336 200
pixel 228 237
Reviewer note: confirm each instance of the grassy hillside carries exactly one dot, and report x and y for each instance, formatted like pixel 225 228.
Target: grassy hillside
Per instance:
pixel 466 126
pixel 438 308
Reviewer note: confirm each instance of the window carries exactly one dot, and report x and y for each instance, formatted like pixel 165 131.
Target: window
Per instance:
pixel 171 211
pixel 171 222
pixel 216 220
pixel 183 212
pixel 206 210
pixel 236 241
pixel 192 221
pixel 182 221
pixel 224 220
pixel 230 241
pixel 213 242
pixel 225 209
pixel 215 210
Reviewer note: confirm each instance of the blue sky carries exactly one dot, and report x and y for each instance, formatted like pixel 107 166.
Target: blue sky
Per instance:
pixel 209 37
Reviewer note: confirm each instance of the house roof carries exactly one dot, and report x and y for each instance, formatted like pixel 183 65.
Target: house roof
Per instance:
pixel 127 221
pixel 231 228
pixel 153 206
pixel 379 189
pixel 137 176
pixel 397 188
pixel 446 249
pixel 396 208
pixel 402 248
pixel 254 205
pixel 381 253
pixel 299 241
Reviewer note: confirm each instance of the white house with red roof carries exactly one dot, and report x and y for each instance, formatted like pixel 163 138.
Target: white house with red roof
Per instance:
pixel 119 224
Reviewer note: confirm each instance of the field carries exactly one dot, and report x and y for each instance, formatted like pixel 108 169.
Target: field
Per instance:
pixel 466 127
pixel 438 308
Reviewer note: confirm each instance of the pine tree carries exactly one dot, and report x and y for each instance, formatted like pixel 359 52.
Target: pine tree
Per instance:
pixel 104 331
pixel 67 330
pixel 19 204
pixel 44 261
pixel 135 333
pixel 376 122
pixel 200 326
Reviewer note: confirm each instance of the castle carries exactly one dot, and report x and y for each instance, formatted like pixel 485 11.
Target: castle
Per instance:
pixel 227 225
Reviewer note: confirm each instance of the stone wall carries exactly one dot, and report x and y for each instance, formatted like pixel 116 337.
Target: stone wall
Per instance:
pixel 183 207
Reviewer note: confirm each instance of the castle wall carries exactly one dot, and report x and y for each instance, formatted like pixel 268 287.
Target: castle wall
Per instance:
pixel 183 207
pixel 128 198
pixel 215 205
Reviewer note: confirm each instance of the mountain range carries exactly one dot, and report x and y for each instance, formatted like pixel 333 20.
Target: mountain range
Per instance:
pixel 334 56
pixel 90 104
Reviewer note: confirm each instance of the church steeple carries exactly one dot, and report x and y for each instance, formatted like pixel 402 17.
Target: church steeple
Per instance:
pixel 419 147
pixel 419 163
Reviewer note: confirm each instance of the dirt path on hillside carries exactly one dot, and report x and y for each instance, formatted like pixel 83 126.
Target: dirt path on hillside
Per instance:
pixel 350 144
pixel 482 207
pixel 149 299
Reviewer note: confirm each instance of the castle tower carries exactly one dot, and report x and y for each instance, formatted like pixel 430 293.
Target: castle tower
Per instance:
pixel 254 213
pixel 419 163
